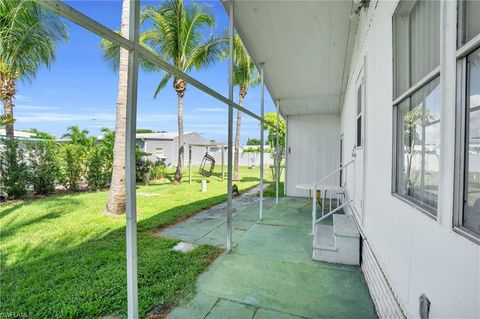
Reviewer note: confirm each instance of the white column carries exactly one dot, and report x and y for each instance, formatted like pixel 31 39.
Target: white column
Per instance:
pixel 262 106
pixel 230 135
pixel 277 154
pixel 131 205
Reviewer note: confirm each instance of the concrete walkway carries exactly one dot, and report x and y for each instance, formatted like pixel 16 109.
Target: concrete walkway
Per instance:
pixel 270 273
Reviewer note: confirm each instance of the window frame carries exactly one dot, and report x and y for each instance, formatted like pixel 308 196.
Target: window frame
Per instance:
pixel 462 54
pixel 426 209
pixel 162 149
pixel 360 115
pixel 396 101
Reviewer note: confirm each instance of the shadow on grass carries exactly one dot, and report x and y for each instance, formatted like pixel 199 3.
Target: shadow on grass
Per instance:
pixel 9 231
pixel 89 280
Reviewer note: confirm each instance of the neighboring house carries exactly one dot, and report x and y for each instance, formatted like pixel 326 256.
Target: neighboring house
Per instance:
pixel 395 86
pixel 17 134
pixel 164 146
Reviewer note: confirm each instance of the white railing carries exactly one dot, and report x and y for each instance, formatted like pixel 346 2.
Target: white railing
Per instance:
pixel 340 190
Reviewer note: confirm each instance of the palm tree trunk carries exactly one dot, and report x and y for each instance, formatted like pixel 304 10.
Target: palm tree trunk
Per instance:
pixel 179 171
pixel 116 203
pixel 236 154
pixel 8 92
pixel 8 108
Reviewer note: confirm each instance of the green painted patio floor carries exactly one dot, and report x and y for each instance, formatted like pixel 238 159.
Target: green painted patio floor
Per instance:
pixel 269 273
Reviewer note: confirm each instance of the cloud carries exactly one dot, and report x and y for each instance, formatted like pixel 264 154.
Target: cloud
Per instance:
pixel 22 107
pixel 211 109
pixel 156 117
pixel 21 97
pixel 62 117
pixel 225 126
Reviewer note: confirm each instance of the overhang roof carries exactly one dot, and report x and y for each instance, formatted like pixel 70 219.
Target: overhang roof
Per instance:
pixel 306 47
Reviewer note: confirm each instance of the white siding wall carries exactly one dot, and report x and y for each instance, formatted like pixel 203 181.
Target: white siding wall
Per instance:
pixel 314 143
pixel 417 253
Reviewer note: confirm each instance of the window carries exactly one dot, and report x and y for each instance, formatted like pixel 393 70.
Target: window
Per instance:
pixel 159 153
pixel 417 104
pixel 467 215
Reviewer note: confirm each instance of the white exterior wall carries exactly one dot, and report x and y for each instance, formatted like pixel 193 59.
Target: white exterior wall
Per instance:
pixel 313 147
pixel 416 253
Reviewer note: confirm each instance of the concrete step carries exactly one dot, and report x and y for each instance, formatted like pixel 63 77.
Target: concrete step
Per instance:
pixel 339 243
pixel 345 226
pixel 324 248
pixel 324 238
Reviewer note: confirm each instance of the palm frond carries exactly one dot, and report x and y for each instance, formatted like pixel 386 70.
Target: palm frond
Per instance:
pixel 162 83
pixel 206 54
pixel 111 53
pixel 6 119
pixel 29 36
pixel 245 73
pixel 178 35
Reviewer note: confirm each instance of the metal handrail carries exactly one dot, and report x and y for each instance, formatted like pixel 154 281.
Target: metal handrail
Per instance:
pixel 333 172
pixel 314 197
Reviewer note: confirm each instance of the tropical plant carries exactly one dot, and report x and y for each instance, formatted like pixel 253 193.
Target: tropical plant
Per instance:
pixel 78 136
pixel 178 35
pixel 144 131
pixel 40 135
pixel 43 167
pixel 97 172
pixel 71 159
pixel 253 141
pixel 245 76
pixel 13 170
pixel 158 171
pixel 29 34
pixel 107 146
pixel 6 119
pixel 271 118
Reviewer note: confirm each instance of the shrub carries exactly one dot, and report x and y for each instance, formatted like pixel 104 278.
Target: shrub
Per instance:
pixel 44 170
pixel 13 169
pixel 143 169
pixel 158 170
pixel 97 172
pixel 71 161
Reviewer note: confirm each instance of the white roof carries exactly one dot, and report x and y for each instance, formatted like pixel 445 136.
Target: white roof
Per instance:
pixel 160 136
pixel 17 133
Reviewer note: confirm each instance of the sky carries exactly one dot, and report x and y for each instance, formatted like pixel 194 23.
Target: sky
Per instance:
pixel 81 88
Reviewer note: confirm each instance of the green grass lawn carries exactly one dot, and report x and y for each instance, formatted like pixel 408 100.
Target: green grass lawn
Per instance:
pixel 62 258
pixel 270 190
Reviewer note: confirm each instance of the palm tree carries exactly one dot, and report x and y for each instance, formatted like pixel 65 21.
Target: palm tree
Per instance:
pixel 29 34
pixel 79 137
pixel 245 75
pixel 177 34
pixel 118 58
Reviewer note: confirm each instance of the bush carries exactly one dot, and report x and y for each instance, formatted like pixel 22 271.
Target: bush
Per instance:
pixel 158 171
pixel 71 161
pixel 98 172
pixel 143 170
pixel 13 170
pixel 44 171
